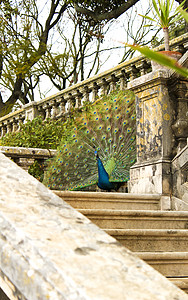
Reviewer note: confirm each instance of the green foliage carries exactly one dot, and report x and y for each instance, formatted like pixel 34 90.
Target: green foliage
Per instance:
pixel 35 134
pixel 163 16
pixel 37 170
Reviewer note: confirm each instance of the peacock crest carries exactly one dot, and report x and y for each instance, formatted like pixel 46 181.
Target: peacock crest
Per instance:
pixel 106 130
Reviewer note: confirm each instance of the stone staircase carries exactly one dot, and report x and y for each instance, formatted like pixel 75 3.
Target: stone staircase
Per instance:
pixel 137 222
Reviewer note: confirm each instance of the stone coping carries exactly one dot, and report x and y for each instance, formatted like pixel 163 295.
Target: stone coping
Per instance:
pixel 50 251
pixel 27 152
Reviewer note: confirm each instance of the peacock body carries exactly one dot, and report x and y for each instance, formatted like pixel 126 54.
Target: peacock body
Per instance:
pixel 98 145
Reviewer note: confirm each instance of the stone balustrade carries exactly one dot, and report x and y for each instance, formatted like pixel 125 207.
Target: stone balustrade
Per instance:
pixel 25 157
pixel 61 103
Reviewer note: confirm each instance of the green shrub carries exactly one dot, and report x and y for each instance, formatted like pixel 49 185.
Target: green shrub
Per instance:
pixel 35 134
pixel 37 170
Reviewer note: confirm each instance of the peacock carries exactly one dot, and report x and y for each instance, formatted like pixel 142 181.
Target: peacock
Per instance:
pixel 98 145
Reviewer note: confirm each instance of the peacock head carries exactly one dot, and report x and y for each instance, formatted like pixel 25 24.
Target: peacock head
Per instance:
pixel 96 153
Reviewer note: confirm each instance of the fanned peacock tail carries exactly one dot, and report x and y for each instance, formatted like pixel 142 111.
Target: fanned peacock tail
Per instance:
pixel 107 127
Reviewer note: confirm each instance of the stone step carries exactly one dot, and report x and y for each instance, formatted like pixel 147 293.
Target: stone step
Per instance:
pixel 151 240
pixel 100 200
pixel 134 219
pixel 170 264
pixel 181 282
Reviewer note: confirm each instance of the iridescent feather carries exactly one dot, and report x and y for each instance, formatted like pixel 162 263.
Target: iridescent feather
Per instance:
pixel 108 127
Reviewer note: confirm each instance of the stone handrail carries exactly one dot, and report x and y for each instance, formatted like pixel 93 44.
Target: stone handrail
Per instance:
pixel 50 251
pixel 59 104
pixel 25 157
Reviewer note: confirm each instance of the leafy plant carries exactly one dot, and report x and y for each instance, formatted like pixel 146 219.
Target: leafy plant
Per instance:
pixel 164 17
pixel 163 59
pixel 35 134
pixel 37 170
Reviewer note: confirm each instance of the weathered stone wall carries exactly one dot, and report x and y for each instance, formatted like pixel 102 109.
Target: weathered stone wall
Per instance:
pixel 180 180
pixel 162 129
pixel 48 250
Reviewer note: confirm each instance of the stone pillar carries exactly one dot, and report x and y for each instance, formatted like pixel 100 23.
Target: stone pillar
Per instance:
pixel 179 94
pixel 154 109
pixel 31 111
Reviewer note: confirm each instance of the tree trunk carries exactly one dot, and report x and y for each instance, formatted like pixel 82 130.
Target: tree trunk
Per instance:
pixel 166 39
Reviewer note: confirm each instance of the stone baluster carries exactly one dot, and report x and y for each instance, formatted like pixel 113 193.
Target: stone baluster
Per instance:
pixel 133 72
pixel 20 121
pixel 70 102
pixel 142 66
pixel 178 89
pixel 94 89
pixel 14 125
pixel 54 105
pixel 41 112
pixel 113 81
pixel 104 86
pixel 62 103
pixel 78 98
pixel 9 126
pixel 47 107
pixel 85 92
pixel 122 79
pixel 3 130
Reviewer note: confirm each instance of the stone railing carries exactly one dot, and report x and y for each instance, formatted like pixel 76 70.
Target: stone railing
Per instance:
pixel 25 157
pixel 59 104
pixel 50 251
